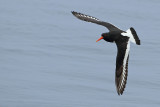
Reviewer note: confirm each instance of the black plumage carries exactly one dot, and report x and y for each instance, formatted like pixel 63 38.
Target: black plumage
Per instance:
pixel 122 40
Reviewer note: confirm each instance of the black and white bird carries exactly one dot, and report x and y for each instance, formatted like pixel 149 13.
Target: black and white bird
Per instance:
pixel 122 40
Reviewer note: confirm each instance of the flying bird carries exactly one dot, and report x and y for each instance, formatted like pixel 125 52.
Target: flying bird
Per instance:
pixel 122 40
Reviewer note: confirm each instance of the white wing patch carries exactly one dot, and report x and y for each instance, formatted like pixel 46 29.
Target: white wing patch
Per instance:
pixel 121 86
pixel 129 34
pixel 86 16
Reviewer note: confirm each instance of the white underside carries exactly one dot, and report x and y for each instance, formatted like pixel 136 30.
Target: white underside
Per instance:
pixel 129 34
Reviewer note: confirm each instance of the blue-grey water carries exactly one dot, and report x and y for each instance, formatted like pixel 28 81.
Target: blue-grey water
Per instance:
pixel 48 58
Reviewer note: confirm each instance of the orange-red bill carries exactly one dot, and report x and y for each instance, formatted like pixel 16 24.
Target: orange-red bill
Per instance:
pixel 99 39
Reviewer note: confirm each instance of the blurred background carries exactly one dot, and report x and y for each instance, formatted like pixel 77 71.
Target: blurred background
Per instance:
pixel 48 58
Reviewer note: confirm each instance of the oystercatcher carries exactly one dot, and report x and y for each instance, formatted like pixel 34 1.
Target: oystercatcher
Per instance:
pixel 122 40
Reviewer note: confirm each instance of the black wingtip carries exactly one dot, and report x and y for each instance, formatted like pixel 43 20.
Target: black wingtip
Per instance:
pixel 120 93
pixel 73 12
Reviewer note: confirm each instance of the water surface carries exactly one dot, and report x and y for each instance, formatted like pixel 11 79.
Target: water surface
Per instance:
pixel 50 59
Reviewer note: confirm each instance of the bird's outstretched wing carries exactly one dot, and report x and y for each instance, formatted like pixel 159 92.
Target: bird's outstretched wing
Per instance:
pixel 123 48
pixel 95 20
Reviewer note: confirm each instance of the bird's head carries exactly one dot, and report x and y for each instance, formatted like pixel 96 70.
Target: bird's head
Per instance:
pixel 103 36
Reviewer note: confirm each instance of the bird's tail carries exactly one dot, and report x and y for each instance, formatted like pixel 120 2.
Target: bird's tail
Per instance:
pixel 133 36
